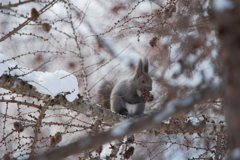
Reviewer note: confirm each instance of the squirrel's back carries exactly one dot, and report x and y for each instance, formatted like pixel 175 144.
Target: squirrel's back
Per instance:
pixel 104 94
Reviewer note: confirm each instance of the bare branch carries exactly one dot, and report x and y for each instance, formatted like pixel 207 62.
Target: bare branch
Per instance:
pixel 16 85
pixel 80 54
pixel 45 8
pixel 37 130
pixel 14 4
pixel 130 126
pixel 175 127
pixel 21 103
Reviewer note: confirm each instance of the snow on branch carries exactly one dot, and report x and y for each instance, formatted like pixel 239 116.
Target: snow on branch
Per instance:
pixel 21 85
pixel 17 85
pixel 131 126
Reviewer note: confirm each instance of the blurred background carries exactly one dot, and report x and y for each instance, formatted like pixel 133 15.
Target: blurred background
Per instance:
pixel 107 38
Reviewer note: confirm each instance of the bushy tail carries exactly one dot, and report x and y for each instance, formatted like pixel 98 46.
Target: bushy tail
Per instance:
pixel 104 94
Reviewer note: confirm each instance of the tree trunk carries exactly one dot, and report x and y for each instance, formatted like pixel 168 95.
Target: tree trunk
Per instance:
pixel 229 35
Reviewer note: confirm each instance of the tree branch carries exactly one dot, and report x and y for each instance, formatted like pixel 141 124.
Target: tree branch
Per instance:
pixel 14 4
pixel 130 126
pixel 227 20
pixel 45 8
pixel 17 85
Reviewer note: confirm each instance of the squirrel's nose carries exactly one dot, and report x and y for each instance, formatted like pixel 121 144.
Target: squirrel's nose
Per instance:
pixel 149 88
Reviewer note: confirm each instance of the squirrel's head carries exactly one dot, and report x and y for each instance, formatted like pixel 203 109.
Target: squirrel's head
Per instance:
pixel 142 80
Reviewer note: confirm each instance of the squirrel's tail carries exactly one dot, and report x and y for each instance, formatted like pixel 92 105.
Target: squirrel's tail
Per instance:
pixel 104 94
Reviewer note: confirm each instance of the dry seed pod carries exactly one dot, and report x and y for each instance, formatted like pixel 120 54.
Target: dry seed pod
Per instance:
pixel 18 126
pixel 55 139
pixel 46 27
pixel 168 11
pixel 58 137
pixel 146 95
pixel 130 139
pixel 173 8
pixel 99 150
pixel 52 141
pixel 34 14
pixel 6 157
pixel 129 153
pixel 153 41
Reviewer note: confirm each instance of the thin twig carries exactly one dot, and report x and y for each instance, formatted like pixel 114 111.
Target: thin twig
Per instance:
pixel 109 60
pixel 37 129
pixel 80 54
pixel 104 76
pixel 28 21
pixel 41 86
pixel 33 69
pixel 78 70
pixel 107 99
pixel 21 103
pixel 14 4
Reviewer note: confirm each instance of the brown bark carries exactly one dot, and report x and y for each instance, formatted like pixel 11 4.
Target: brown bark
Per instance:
pixel 228 22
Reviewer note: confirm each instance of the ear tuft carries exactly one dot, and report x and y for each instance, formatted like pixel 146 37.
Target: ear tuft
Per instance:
pixel 139 69
pixel 145 66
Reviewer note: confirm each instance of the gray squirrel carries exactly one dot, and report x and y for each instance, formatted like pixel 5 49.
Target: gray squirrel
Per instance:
pixel 125 97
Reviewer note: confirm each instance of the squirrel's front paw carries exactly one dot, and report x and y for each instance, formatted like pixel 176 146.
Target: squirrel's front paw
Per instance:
pixel 123 111
pixel 151 98
pixel 142 99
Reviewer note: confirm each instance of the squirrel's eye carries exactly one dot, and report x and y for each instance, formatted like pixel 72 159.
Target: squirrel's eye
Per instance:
pixel 142 81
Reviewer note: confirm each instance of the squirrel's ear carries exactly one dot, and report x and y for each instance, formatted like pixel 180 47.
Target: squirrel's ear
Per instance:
pixel 139 69
pixel 145 66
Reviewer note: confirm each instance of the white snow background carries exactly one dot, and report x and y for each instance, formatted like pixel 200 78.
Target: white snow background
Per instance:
pixel 51 83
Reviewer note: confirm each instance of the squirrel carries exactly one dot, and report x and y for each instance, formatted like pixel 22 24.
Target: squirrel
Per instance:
pixel 126 96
